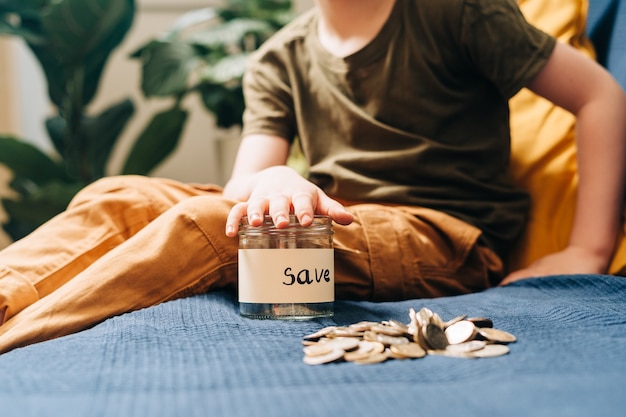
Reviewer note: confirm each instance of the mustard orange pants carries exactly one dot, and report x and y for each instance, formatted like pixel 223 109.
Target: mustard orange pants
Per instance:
pixel 131 242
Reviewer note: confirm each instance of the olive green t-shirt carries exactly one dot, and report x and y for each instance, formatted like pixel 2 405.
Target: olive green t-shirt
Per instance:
pixel 417 117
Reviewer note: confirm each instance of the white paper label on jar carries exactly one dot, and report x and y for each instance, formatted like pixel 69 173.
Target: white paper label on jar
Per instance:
pixel 274 276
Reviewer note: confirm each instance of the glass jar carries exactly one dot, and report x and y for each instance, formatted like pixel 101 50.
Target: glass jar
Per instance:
pixel 286 273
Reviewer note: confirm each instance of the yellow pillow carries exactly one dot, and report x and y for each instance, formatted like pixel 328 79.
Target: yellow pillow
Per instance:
pixel 543 150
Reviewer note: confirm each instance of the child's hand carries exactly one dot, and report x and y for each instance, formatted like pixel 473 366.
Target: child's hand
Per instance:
pixel 571 260
pixel 280 191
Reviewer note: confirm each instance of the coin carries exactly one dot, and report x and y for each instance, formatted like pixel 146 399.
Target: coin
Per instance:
pixel 362 326
pixel 320 333
pixel 490 351
pixel 384 339
pixel 496 335
pixel 460 332
pixel 331 356
pixel 344 343
pixel 387 330
pixel 372 358
pixel 397 324
pixel 454 320
pixel 450 353
pixel 318 349
pixel 408 350
pixel 364 349
pixel 469 346
pixel 434 336
pixel 368 342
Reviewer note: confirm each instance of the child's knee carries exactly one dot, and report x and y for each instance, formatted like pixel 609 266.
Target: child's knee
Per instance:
pixel 122 184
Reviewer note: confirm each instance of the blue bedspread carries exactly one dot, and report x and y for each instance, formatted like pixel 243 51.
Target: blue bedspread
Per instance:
pixel 199 357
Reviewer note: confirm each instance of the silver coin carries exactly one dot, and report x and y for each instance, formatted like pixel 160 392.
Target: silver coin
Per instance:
pixel 465 347
pixel 490 351
pixel 434 336
pixel 460 332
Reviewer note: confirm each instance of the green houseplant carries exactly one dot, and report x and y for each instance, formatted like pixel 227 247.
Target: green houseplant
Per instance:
pixel 203 53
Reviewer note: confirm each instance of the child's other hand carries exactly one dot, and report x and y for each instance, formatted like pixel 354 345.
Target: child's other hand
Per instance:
pixel 571 260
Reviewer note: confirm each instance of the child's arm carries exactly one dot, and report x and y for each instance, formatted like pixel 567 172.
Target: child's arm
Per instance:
pixel 584 88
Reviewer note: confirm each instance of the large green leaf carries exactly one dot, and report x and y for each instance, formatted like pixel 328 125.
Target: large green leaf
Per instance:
pixel 231 33
pixel 80 37
pixel 276 12
pixel 156 142
pixel 166 67
pixel 25 160
pixel 102 133
pixel 37 206
pixel 228 71
pixel 78 28
pixel 56 127
pixel 190 19
pixel 99 134
pixel 227 104
pixel 7 28
pixel 28 8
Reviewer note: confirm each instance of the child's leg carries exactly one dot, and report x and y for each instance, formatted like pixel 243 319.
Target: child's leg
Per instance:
pixel 182 252
pixel 397 253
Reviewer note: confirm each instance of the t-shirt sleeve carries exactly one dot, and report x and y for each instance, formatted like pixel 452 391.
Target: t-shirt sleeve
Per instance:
pixel 268 97
pixel 502 45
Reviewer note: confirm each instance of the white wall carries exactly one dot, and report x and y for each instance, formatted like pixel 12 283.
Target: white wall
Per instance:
pixel 204 153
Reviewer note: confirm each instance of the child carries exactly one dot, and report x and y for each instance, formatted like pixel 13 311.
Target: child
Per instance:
pixel 401 109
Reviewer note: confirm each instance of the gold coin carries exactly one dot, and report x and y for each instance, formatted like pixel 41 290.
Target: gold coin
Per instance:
pixel 450 353
pixel 460 332
pixel 344 332
pixel 377 347
pixel 384 339
pixel 388 330
pixel 490 351
pixel 320 333
pixel 496 335
pixel 372 358
pixel 392 355
pixel 355 355
pixel 318 349
pixel 364 349
pixel 344 343
pixel 408 350
pixel 469 346
pixel 362 326
pixel 332 356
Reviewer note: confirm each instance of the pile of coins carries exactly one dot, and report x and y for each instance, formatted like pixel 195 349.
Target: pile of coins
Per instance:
pixel 370 342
